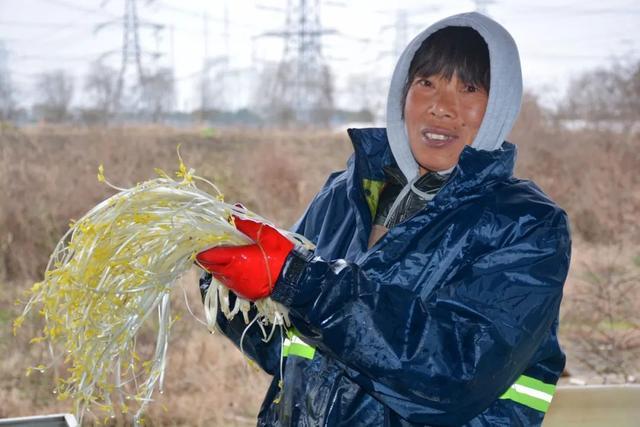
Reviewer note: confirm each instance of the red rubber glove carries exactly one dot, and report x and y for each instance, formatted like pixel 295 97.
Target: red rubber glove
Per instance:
pixel 250 271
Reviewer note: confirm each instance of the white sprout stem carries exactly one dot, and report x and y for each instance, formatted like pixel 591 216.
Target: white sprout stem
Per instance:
pixel 115 266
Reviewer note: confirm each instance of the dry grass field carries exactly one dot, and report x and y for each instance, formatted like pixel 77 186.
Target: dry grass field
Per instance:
pixel 48 176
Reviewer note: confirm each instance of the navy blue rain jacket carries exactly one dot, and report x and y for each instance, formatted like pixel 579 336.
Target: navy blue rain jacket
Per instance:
pixel 442 322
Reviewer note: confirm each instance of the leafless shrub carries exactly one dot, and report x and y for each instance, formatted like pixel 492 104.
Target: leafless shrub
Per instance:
pixel 295 94
pixel 7 90
pixel 158 93
pixel 602 322
pixel 588 172
pixel 604 95
pixel 100 86
pixel 55 90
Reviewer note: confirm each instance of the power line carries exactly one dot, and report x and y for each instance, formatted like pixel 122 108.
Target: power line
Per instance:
pixel 77 7
pixel 570 56
pixel 198 15
pixel 65 27
pixel 60 58
pixel 70 38
pixel 45 24
pixel 574 9
pixel 122 20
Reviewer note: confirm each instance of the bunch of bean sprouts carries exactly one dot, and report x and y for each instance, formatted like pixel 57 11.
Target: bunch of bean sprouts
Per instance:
pixel 113 269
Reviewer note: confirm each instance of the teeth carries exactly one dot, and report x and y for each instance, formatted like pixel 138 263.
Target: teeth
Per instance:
pixel 436 136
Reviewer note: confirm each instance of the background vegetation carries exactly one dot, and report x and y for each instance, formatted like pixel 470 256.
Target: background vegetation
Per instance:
pixel 585 159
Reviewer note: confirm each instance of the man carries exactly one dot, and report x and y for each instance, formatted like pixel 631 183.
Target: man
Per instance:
pixel 433 292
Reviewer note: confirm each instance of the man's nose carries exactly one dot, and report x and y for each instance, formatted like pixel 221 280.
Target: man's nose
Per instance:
pixel 444 104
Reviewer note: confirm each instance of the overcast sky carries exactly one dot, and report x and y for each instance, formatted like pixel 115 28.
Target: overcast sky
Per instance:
pixel 557 38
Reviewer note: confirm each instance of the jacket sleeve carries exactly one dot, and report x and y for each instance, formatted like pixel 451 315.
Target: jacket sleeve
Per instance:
pixel 440 358
pixel 248 339
pixel 265 354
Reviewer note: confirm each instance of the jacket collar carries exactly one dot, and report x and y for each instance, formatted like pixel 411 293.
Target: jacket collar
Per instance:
pixel 371 152
pixel 476 168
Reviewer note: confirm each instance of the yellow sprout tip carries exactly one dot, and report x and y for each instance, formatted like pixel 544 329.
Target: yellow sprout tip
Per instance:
pixel 17 323
pixel 101 173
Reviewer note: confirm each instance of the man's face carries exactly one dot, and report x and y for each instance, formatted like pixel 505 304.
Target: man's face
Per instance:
pixel 442 116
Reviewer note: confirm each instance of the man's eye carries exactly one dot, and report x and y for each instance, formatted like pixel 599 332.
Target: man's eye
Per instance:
pixel 472 88
pixel 424 82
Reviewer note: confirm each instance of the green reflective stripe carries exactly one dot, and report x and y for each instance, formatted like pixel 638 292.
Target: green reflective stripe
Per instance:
pixel 525 399
pixel 372 191
pixel 531 392
pixel 536 385
pixel 301 351
pixel 294 346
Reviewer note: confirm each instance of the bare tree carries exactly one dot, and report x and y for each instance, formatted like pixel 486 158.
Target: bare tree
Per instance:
pixel 158 93
pixel 286 97
pixel 268 97
pixel 101 86
pixel 602 322
pixel 7 100
pixel 605 94
pixel 601 316
pixel 631 102
pixel 212 87
pixel 367 94
pixel 55 91
pixel 323 106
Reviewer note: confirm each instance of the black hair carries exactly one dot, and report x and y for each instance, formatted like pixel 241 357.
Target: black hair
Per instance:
pixel 459 50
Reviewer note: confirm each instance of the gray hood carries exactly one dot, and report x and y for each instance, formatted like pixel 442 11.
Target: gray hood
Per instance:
pixel 505 94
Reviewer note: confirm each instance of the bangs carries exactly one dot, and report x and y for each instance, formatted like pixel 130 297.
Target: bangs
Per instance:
pixel 459 50
pixel 470 63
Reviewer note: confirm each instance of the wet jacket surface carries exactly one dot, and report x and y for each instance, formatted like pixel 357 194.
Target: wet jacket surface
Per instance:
pixel 434 323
